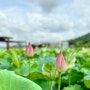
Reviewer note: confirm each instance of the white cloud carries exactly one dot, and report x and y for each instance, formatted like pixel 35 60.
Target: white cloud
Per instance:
pixel 35 27
pixel 46 5
pixel 68 21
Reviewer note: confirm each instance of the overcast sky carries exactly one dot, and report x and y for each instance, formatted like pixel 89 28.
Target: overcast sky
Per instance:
pixel 44 20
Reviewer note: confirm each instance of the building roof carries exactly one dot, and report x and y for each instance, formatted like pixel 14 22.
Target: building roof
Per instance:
pixel 4 39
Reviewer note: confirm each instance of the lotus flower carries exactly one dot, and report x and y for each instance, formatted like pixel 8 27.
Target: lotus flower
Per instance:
pixel 29 50
pixel 60 62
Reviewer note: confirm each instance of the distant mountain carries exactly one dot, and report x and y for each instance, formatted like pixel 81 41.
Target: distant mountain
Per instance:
pixel 83 41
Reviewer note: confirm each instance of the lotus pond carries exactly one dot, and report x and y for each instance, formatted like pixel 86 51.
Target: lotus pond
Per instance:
pixel 18 72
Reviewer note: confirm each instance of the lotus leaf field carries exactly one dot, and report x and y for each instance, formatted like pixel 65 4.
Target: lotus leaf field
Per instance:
pixel 18 72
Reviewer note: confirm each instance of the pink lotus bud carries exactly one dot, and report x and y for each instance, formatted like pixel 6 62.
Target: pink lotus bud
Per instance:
pixel 29 50
pixel 60 62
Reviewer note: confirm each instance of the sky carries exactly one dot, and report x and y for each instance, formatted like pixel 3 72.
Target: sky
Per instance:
pixel 40 21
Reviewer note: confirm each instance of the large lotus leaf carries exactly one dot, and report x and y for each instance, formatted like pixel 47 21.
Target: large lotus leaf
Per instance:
pixel 10 81
pixel 75 75
pixel 4 54
pixel 73 87
pixel 15 58
pixel 43 83
pixel 24 69
pixel 48 59
pixel 37 75
pixel 85 67
pixel 4 64
pixel 49 71
pixel 87 80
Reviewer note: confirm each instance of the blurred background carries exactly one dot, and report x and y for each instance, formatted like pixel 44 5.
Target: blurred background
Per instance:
pixel 50 26
pixel 54 23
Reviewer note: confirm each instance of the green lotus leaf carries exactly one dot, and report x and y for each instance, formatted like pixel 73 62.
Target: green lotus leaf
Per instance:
pixel 73 87
pixel 10 81
pixel 87 80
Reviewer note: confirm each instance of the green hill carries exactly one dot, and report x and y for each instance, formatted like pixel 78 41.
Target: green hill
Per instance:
pixel 83 41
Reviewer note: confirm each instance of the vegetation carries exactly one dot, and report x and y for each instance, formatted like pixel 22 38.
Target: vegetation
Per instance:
pixel 83 41
pixel 41 69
